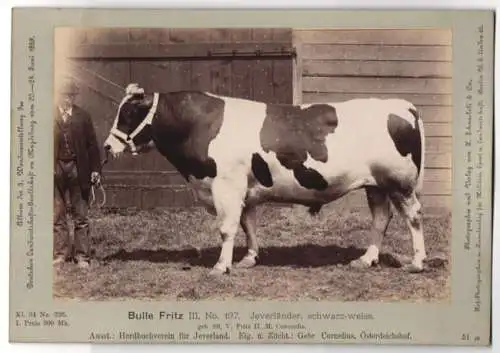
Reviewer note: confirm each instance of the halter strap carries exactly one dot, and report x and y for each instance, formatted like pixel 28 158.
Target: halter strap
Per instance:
pixel 129 139
pixel 148 119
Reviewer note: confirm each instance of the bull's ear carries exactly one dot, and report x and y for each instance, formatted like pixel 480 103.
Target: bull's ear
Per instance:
pixel 134 90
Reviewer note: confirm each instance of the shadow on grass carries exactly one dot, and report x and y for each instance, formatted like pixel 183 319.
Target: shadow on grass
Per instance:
pixel 295 256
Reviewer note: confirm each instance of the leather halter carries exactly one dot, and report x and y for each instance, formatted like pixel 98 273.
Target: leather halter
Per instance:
pixel 129 138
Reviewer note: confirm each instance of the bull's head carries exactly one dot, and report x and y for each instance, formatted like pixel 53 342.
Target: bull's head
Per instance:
pixel 131 129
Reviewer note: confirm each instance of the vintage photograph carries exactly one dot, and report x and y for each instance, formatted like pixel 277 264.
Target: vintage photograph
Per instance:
pixel 252 164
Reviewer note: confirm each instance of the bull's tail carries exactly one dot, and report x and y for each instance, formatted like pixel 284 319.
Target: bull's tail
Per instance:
pixel 420 127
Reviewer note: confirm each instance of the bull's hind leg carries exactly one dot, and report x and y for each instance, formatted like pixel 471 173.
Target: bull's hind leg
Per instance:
pixel 409 206
pixel 248 223
pixel 380 208
pixel 228 194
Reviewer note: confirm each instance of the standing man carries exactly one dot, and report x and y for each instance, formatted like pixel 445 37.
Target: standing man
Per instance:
pixel 77 165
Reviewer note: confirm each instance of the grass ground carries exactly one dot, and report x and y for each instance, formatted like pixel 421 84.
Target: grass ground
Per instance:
pixel 152 255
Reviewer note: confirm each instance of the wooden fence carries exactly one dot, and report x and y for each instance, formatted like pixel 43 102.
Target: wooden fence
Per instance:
pixel 414 64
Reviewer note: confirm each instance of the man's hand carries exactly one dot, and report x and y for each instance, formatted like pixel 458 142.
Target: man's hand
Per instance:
pixel 95 178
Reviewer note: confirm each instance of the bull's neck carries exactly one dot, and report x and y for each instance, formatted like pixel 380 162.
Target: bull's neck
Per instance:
pixel 170 122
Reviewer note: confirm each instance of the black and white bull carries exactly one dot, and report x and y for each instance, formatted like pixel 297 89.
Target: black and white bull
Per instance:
pixel 238 153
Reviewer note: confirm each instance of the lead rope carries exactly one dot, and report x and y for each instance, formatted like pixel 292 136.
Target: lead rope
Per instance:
pixel 100 187
pixel 93 197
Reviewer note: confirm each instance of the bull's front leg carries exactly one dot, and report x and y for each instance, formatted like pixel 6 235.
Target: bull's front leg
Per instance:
pixel 228 194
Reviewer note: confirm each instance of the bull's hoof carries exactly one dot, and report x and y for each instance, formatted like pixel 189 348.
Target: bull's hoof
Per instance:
pixel 413 268
pixel 359 264
pixel 247 262
pixel 217 272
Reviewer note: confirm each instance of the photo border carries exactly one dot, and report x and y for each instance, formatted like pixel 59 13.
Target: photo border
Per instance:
pixel 429 324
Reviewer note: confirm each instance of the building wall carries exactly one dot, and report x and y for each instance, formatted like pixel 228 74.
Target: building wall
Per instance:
pixel 414 64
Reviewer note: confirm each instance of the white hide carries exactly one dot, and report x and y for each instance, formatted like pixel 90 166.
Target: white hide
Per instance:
pixel 360 140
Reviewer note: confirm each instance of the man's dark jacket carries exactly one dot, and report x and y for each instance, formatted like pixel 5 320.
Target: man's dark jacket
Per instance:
pixel 84 143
